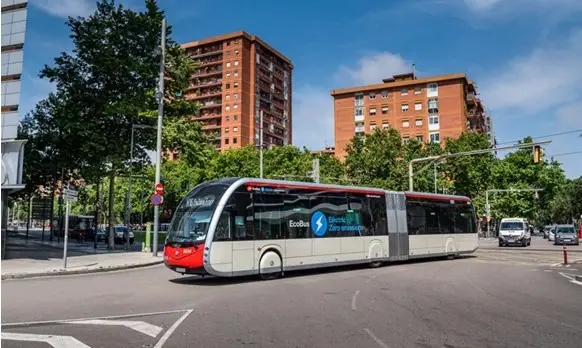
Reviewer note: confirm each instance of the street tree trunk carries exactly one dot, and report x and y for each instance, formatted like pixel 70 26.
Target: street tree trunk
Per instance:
pixel 111 243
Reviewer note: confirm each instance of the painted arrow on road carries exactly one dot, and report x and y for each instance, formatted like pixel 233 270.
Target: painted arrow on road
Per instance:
pixel 53 340
pixel 140 326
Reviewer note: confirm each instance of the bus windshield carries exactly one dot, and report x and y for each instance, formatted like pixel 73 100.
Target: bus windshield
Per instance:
pixel 192 218
pixel 511 225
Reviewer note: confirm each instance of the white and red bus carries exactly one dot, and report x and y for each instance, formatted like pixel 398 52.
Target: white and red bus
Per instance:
pixel 241 226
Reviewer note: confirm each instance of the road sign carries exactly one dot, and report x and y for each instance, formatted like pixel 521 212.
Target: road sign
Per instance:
pixel 70 194
pixel 159 189
pixel 157 199
pixel 41 208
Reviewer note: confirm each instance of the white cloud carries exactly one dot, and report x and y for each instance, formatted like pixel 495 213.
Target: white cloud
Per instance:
pixel 373 68
pixel 66 8
pixel 481 5
pixel 548 77
pixel 571 114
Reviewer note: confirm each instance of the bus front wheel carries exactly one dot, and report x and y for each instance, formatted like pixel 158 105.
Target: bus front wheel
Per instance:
pixel 270 265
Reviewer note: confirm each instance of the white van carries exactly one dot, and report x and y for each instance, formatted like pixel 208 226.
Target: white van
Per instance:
pixel 514 231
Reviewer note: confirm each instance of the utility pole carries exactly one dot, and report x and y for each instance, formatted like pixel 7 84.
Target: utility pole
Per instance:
pixel 160 97
pixel 261 143
pixel 314 173
pixel 488 207
pixel 458 154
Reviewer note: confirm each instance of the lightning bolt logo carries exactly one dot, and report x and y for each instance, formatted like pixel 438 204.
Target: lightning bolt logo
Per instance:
pixel 319 223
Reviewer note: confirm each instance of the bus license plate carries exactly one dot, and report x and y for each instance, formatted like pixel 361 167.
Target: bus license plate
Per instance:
pixel 180 270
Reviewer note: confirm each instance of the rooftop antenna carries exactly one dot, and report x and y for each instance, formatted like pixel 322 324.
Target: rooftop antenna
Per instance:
pixel 413 71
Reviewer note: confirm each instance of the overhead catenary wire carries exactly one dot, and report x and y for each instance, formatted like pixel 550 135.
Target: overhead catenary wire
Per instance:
pixel 565 154
pixel 544 136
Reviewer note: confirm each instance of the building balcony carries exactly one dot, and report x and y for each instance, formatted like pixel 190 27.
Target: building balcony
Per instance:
pixel 205 83
pixel 359 129
pixel 359 118
pixel 211 104
pixel 209 115
pixel 205 52
pixel 208 71
pixel 198 96
pixel 211 126
pixel 208 62
pixel 471 98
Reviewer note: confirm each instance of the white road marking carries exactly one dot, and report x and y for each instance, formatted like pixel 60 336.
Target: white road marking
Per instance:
pixel 369 280
pixel 548 270
pixel 137 315
pixel 354 299
pixel 53 340
pixel 379 341
pixel 140 326
pixel 172 328
pixel 571 278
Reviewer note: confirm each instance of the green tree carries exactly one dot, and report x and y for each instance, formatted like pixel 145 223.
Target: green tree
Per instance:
pixel 111 78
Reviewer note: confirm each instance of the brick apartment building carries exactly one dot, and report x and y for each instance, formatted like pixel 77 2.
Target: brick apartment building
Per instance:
pixel 429 109
pixel 238 76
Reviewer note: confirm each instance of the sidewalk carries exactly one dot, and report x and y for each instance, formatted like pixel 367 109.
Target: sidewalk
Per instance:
pixel 37 259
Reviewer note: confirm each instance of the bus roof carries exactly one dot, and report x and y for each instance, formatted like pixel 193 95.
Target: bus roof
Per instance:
pixel 328 187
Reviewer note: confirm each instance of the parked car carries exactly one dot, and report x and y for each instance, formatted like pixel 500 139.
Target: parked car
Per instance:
pixel 566 234
pixel 121 233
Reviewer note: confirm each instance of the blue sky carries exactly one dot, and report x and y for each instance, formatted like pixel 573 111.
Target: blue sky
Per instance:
pixel 525 55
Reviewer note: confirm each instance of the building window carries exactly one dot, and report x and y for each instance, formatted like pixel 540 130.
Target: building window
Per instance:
pixel 235 129
pixel 404 107
pixel 384 94
pixel 359 111
pixel 227 74
pixel 236 52
pixel 234 140
pixel 12 63
pixel 385 125
pixel 433 119
pixel 418 123
pixel 432 90
pixel 235 106
pixel 418 106
pixel 420 138
pixel 435 138
pixel 226 130
pixel 433 106
pixel 404 91
pixel 235 41
pixel 373 127
pixel 235 84
pixel 227 118
pixel 236 73
pixel 235 96
pixel 405 139
pixel 236 63
pixel 359 100
pixel 227 85
pixel 405 124
pixel 226 141
pixel 372 111
pixel 384 109
pixel 227 97
pixel 228 64
pixel 417 90
pixel 227 108
pixel 234 118
pixel 372 95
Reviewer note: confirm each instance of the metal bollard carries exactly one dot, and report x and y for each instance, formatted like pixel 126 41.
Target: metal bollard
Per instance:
pixel 565 255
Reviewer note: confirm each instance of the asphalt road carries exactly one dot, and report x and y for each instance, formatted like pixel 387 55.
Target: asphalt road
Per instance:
pixel 514 300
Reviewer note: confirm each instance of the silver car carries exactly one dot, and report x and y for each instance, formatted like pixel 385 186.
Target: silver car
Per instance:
pixel 565 234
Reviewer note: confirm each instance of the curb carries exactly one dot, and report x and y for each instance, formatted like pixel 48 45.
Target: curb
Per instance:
pixel 528 249
pixel 80 271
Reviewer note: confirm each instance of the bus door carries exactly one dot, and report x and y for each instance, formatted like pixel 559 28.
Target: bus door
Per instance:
pixel 397 226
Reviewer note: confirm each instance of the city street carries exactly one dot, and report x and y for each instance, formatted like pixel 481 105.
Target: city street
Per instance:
pixel 514 298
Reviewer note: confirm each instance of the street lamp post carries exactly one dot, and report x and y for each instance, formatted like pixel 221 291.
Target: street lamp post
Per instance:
pixel 160 97
pixel 261 143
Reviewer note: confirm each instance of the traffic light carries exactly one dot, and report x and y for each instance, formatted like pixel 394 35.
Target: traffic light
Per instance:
pixel 537 154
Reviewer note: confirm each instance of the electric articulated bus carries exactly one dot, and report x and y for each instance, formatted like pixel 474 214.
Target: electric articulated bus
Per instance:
pixel 242 226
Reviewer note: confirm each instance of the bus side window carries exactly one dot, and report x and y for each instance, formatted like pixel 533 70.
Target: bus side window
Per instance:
pixel 378 211
pixel 268 221
pixel 296 215
pixel 223 230
pixel 241 208
pixel 360 210
pixel 464 222
pixel 415 215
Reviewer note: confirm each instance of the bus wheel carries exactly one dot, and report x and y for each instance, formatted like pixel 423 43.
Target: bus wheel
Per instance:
pixel 270 266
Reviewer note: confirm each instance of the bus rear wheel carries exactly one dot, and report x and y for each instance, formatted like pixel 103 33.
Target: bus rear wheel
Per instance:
pixel 270 265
